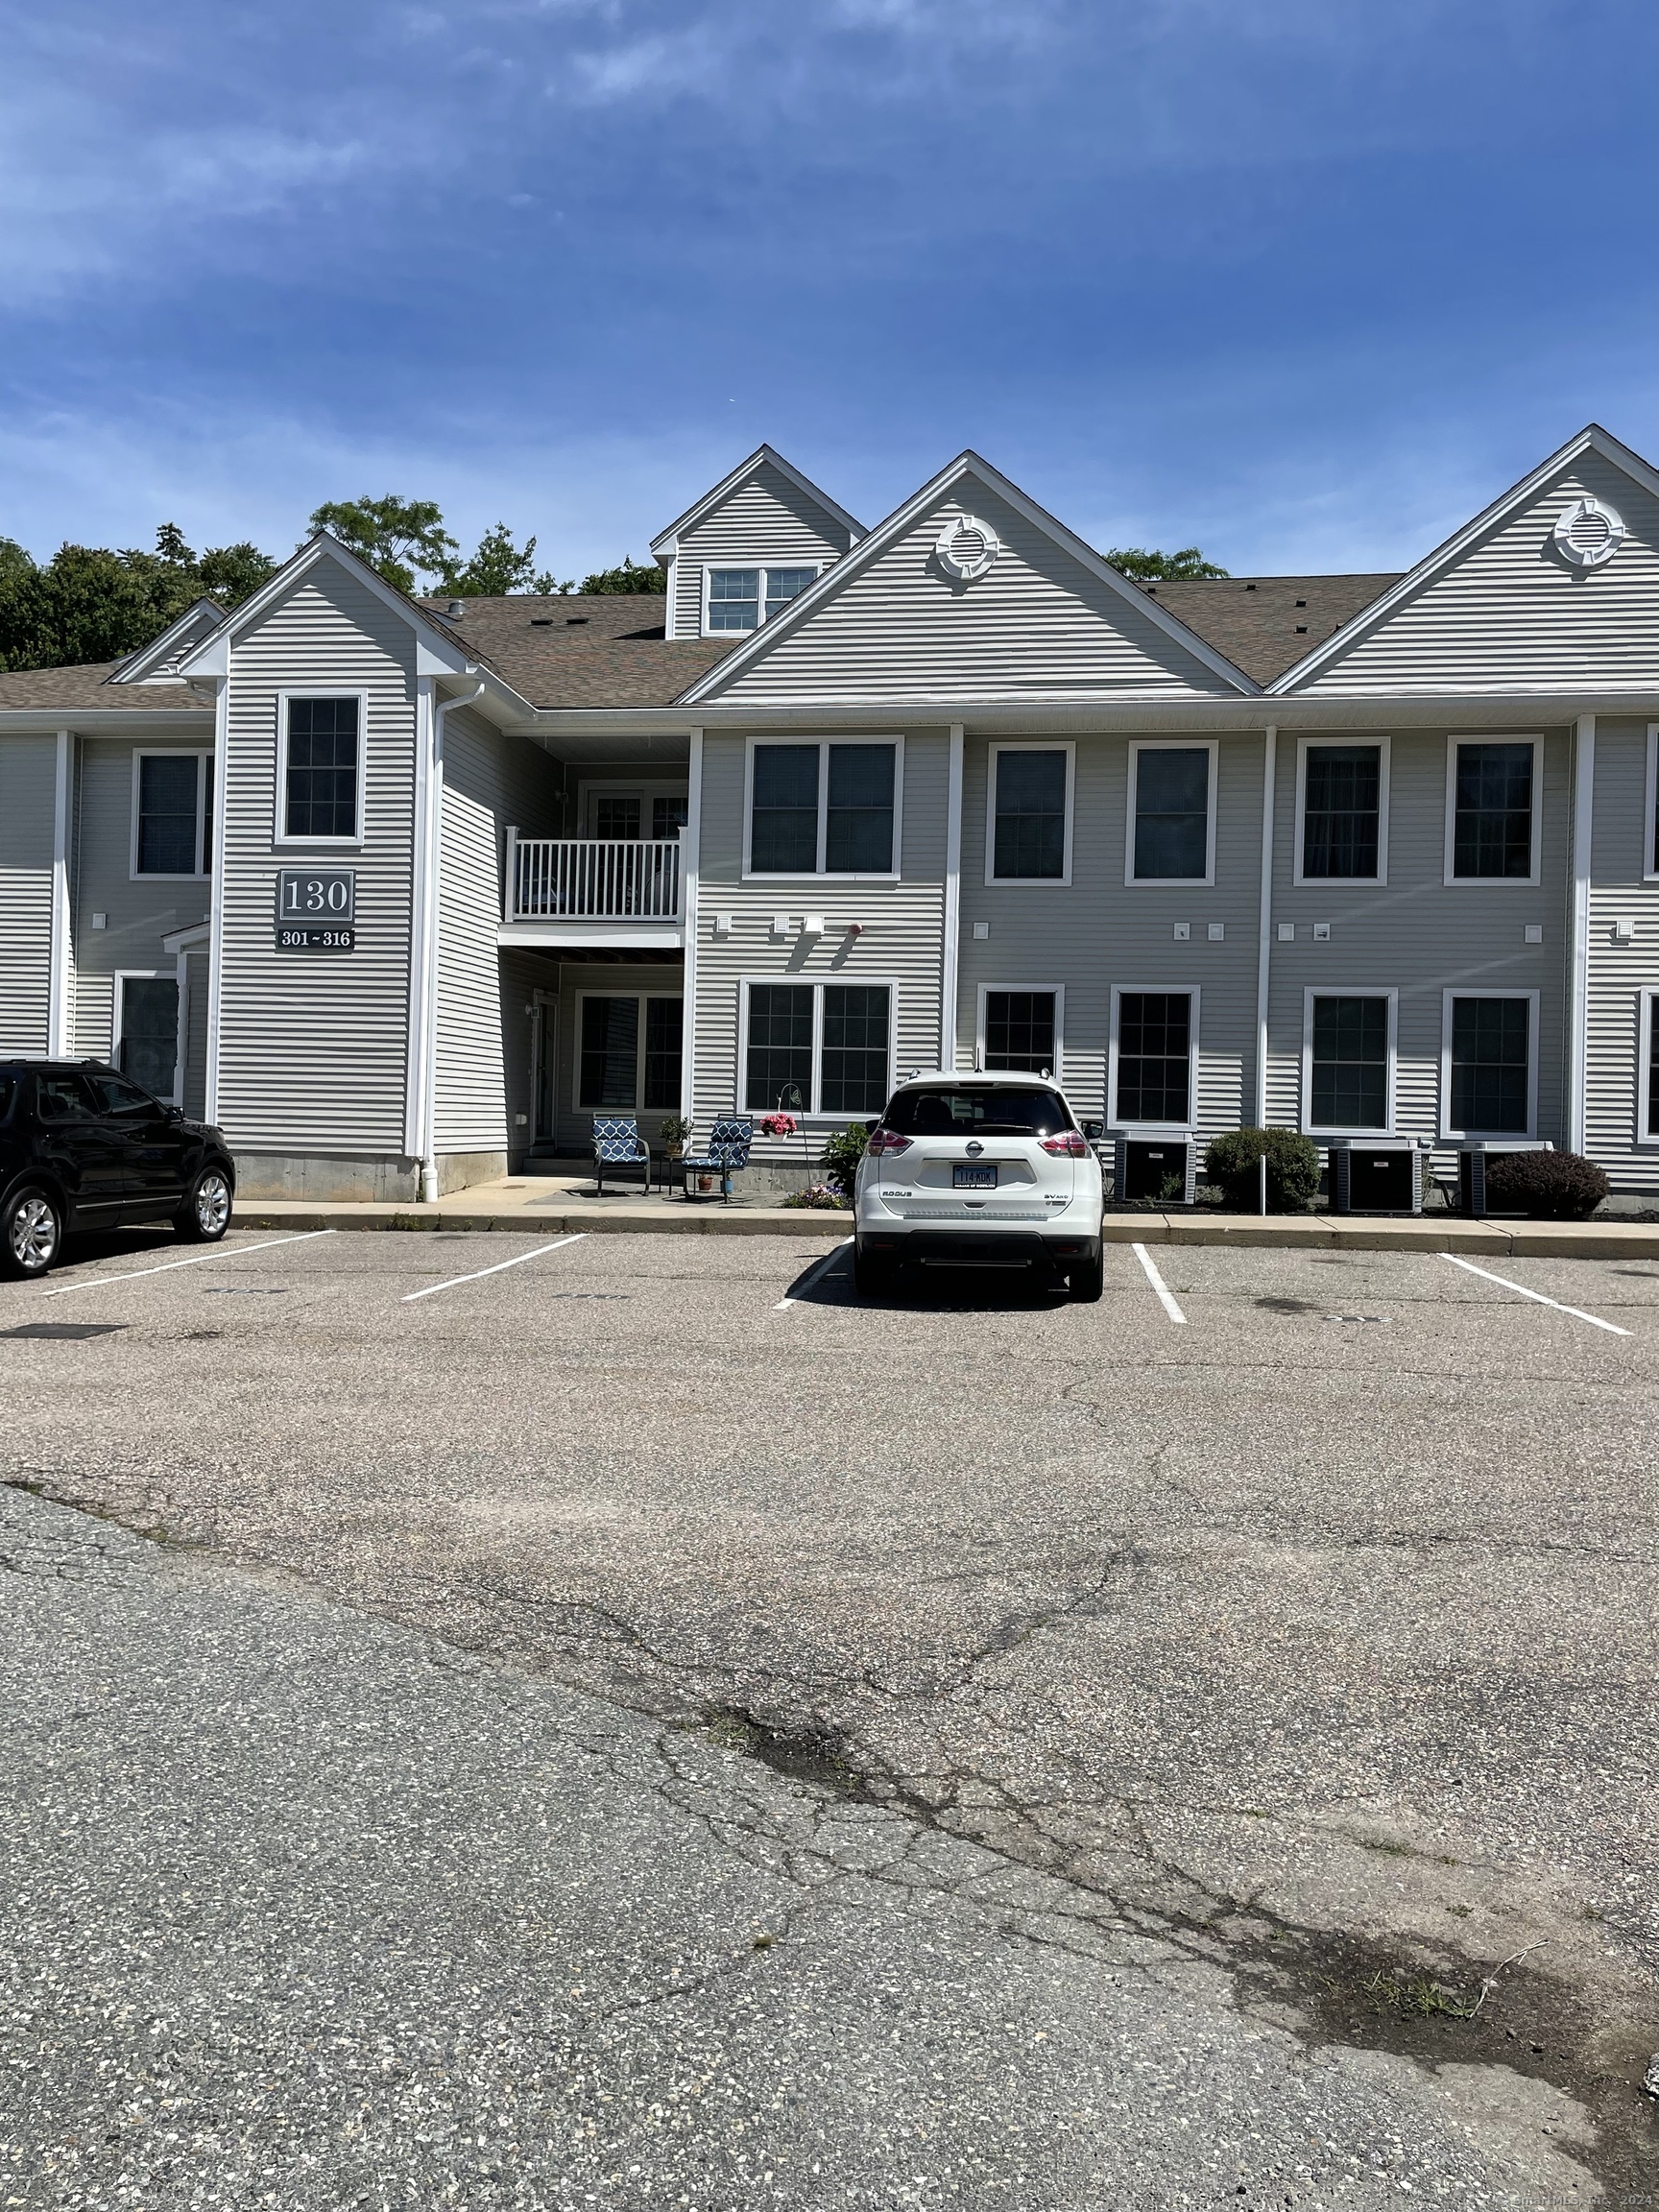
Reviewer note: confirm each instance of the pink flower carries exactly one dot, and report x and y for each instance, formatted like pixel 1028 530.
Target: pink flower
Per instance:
pixel 778 1124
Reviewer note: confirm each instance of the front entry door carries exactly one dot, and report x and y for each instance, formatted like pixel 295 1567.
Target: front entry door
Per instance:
pixel 149 1047
pixel 544 1069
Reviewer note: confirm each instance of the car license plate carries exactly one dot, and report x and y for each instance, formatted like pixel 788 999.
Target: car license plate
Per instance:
pixel 974 1178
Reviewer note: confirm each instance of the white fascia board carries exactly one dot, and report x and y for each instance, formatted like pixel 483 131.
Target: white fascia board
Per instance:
pixel 179 941
pixel 104 721
pixel 665 540
pixel 207 614
pixel 1593 439
pixel 845 572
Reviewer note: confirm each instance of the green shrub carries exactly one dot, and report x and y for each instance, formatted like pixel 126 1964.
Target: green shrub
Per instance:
pixel 1292 1170
pixel 1546 1186
pixel 841 1157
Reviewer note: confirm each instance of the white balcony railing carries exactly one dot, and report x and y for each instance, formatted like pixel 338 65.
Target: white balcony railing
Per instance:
pixel 592 878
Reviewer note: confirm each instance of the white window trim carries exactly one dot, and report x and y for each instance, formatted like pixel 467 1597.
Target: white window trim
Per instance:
pixel 1153 1128
pixel 1062 882
pixel 820 873
pixel 1494 882
pixel 1650 816
pixel 1055 991
pixel 279 832
pixel 1332 882
pixel 122 976
pixel 1447 1134
pixel 203 757
pixel 815 561
pixel 1644 1065
pixel 1312 1128
pixel 1137 746
pixel 622 786
pixel 638 1107
pixel 816 984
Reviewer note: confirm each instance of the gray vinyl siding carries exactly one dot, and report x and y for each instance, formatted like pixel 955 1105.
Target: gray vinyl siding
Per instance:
pixel 313 1047
pixel 1037 625
pixel 491 780
pixel 1418 935
pixel 1098 932
pixel 1621 836
pixel 138 911
pixel 1509 616
pixel 193 1093
pixel 622 980
pixel 902 940
pixel 28 803
pixel 765 518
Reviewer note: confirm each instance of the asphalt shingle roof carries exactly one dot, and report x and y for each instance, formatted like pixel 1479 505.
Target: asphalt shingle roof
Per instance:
pixel 600 651
pixel 1264 624
pixel 90 685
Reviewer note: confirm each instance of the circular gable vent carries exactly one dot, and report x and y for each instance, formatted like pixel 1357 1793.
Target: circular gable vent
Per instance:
pixel 1589 533
pixel 966 547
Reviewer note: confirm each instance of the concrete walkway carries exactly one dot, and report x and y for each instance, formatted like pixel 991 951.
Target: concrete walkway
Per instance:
pixel 555 1206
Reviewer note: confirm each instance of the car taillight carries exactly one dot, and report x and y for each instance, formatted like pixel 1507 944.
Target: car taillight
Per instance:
pixel 886 1141
pixel 1070 1143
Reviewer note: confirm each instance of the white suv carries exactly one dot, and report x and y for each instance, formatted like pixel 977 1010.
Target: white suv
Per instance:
pixel 978 1172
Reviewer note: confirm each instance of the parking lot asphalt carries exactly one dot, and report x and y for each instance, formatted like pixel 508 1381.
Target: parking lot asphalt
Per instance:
pixel 1298 1624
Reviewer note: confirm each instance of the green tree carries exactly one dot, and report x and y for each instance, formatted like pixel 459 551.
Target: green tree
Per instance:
pixel 232 574
pixel 89 604
pixel 633 576
pixel 497 567
pixel 1153 566
pixel 397 538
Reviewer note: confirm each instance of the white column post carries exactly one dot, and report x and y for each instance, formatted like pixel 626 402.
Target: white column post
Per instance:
pixel 690 868
pixel 416 1115
pixel 1264 951
pixel 216 893
pixel 951 960
pixel 58 980
pixel 1579 991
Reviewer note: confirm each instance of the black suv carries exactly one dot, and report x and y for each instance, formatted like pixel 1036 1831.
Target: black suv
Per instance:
pixel 80 1148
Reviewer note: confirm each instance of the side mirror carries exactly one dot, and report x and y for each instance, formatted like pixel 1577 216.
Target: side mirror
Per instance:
pixel 171 1113
pixel 1094 1131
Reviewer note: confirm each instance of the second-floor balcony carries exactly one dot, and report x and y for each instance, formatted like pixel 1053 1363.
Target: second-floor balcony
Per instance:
pixel 592 880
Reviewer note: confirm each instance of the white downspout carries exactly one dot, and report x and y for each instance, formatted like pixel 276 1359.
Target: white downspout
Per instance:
pixel 951 957
pixel 1263 952
pixel 58 977
pixel 1578 980
pixel 441 713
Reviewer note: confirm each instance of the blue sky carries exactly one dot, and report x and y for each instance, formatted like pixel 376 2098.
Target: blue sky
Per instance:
pixel 1305 281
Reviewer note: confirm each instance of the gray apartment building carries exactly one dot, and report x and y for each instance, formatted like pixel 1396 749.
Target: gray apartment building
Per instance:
pixel 402 892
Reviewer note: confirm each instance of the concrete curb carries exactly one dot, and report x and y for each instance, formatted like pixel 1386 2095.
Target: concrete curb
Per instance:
pixel 1283 1233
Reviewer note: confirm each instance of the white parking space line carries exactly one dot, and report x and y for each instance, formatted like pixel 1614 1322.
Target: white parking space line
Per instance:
pixel 478 1274
pixel 196 1259
pixel 1164 1299
pixel 823 1268
pixel 1577 1311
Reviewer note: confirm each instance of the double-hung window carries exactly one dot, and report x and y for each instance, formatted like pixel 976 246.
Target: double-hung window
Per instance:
pixel 743 598
pixel 1171 812
pixel 1022 1031
pixel 1030 839
pixel 1343 814
pixel 629 1052
pixel 1648 1074
pixel 817 1047
pixel 825 809
pixel 1492 810
pixel 321 771
pixel 1487 1064
pixel 172 813
pixel 1154 1055
pixel 1348 1041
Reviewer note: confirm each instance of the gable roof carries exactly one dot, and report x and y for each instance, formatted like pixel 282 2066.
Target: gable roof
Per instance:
pixel 846 571
pixel 1592 439
pixel 94 686
pixel 197 622
pixel 762 454
pixel 581 651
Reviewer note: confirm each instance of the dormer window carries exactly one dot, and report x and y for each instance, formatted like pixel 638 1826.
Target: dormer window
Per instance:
pixel 743 598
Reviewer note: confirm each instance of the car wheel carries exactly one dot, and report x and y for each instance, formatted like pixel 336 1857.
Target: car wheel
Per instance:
pixel 31 1233
pixel 871 1277
pixel 1086 1279
pixel 205 1214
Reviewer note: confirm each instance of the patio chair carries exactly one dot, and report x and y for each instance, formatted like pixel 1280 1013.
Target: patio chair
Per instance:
pixel 728 1150
pixel 618 1144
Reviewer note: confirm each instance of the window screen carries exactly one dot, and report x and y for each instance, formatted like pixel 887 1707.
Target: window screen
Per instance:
pixel 1154 1066
pixel 1020 1030
pixel 1171 813
pixel 610 1052
pixel 858 830
pixel 169 794
pixel 322 794
pixel 780 1046
pixel 664 1019
pixel 784 831
pixel 1350 1064
pixel 853 1077
pixel 1492 813
pixel 1029 838
pixel 1491 1042
pixel 1341 809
